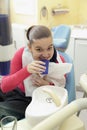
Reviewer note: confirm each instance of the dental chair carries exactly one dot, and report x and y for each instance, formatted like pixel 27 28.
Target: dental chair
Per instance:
pixel 66 118
pixel 61 36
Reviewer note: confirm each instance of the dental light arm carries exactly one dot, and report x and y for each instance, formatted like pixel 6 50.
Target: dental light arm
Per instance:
pixel 57 118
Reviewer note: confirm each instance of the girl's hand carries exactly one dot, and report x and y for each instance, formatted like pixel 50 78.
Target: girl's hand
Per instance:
pixel 39 81
pixel 36 67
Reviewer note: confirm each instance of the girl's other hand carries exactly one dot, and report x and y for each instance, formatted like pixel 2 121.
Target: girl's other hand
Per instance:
pixel 38 81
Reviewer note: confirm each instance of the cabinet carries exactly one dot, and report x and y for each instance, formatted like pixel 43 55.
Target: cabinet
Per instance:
pixel 77 49
pixel 80 60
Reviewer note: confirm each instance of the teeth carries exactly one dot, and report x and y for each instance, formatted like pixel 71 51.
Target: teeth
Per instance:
pixel 53 95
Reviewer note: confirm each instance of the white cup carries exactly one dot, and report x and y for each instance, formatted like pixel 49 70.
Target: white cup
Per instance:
pixel 9 123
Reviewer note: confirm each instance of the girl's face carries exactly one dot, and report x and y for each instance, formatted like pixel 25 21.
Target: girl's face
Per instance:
pixel 42 48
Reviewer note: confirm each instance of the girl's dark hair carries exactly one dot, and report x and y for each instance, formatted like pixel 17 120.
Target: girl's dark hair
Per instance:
pixel 54 58
pixel 37 32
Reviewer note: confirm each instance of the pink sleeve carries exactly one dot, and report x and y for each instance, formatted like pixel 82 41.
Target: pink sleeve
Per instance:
pixel 17 73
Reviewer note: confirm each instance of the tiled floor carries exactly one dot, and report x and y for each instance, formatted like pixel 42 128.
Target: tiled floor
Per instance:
pixel 83 114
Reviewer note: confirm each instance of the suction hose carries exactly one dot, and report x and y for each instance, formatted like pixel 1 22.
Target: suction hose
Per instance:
pixel 58 117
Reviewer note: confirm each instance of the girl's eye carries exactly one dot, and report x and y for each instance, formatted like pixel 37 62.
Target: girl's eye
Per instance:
pixel 39 50
pixel 50 48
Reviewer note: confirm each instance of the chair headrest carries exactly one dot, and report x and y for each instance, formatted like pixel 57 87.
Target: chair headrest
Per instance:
pixel 61 36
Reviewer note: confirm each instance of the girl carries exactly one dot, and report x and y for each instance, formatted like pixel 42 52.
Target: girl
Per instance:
pixel 26 72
